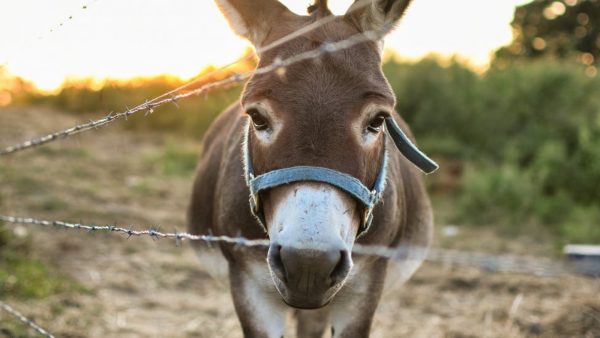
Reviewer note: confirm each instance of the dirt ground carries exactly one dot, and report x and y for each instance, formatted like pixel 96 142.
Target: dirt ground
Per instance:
pixel 151 288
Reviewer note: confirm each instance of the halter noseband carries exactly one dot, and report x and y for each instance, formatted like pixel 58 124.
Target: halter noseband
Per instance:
pixel 351 185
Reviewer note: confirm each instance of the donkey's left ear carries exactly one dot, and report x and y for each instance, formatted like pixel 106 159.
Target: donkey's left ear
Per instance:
pixel 253 19
pixel 377 15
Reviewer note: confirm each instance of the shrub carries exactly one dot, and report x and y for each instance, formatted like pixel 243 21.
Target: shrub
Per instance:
pixel 529 134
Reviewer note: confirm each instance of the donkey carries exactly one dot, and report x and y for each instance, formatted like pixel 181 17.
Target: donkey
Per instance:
pixel 313 149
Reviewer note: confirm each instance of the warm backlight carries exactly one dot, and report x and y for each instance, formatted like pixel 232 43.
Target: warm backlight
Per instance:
pixel 49 41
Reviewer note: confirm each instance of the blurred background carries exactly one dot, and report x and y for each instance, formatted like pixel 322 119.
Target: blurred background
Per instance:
pixel 505 95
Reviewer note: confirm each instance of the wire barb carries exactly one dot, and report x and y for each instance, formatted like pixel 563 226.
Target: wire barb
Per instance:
pixel 25 320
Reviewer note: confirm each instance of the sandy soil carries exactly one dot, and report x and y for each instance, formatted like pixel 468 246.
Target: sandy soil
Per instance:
pixel 147 288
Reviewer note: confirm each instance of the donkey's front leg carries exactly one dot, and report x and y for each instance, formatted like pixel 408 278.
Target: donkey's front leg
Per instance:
pixel 259 307
pixel 353 308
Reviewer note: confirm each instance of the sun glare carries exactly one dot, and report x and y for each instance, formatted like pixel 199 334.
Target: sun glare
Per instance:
pixel 52 41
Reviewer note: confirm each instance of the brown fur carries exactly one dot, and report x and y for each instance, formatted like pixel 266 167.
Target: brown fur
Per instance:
pixel 316 100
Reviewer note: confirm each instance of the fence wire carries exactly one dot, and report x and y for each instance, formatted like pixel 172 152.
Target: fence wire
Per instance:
pixel 172 97
pixel 25 320
pixel 489 262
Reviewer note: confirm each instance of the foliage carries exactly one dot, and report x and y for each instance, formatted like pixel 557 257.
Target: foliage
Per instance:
pixel 555 28
pixel 189 117
pixel 528 137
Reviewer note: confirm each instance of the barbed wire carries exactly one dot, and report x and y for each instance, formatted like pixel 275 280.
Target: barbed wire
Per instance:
pixel 171 97
pixel 537 266
pixel 25 320
pixel 130 232
pixel 489 262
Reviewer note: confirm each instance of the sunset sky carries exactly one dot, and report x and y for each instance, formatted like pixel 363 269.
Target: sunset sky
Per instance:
pixel 128 38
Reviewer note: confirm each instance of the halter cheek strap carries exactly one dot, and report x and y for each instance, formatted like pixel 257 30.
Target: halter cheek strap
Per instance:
pixel 408 149
pixel 368 198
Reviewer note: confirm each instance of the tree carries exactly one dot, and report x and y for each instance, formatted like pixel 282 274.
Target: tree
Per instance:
pixel 561 29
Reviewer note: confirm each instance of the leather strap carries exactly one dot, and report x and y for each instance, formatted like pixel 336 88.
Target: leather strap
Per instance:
pixel 408 149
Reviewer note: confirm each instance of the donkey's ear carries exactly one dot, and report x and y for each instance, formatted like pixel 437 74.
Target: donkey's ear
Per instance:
pixel 252 19
pixel 377 15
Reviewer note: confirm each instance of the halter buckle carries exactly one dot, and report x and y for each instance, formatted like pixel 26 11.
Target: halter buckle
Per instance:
pixel 367 219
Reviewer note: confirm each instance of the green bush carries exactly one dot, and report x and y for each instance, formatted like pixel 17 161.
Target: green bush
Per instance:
pixel 518 107
pixel 513 198
pixel 529 135
pixel 503 196
pixel 189 117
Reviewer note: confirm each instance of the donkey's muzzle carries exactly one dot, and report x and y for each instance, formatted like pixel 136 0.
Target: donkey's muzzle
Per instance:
pixel 308 278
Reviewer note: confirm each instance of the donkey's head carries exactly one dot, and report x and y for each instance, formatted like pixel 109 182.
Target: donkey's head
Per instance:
pixel 328 113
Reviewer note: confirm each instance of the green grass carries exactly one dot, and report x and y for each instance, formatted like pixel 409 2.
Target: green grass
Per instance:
pixel 22 183
pixel 175 160
pixel 70 153
pixel 24 276
pixel 14 329
pixel 27 278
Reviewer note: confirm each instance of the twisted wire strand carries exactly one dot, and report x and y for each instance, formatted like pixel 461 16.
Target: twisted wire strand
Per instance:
pixel 130 232
pixel 171 97
pixel 494 263
pixel 25 320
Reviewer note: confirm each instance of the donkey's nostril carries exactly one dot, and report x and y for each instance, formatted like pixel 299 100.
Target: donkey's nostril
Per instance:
pixel 342 268
pixel 275 262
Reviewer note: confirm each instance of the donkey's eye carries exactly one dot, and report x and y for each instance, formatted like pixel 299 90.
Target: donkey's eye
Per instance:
pixel 376 124
pixel 259 121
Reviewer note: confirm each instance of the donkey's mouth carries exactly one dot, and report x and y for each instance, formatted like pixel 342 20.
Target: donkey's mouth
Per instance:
pixel 308 278
pixel 305 304
pixel 306 299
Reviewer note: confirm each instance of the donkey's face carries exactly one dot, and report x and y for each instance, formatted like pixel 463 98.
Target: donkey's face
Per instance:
pixel 328 113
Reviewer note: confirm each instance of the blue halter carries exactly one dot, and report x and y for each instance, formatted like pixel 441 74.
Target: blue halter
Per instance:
pixel 367 197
